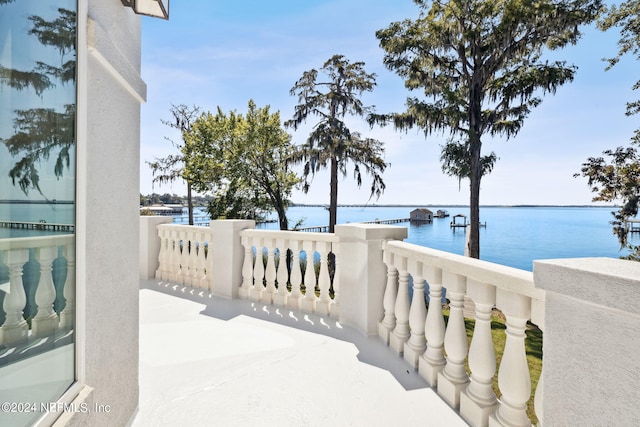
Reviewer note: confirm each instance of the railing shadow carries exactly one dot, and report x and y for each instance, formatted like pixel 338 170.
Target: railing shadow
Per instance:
pixel 371 350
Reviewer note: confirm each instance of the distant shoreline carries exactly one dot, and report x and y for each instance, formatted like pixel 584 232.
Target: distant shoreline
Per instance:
pixel 320 205
pixel 37 202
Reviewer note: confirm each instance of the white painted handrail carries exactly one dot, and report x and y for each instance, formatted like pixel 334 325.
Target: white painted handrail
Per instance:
pixel 487 285
pixel 266 277
pixel 183 255
pixel 15 253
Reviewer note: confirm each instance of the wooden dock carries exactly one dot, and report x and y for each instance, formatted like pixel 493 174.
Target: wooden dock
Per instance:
pixel 386 221
pixel 40 226
pixel 325 228
pixel 633 225
pixel 454 225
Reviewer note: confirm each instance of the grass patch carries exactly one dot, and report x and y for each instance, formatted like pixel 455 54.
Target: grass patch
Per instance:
pixel 533 348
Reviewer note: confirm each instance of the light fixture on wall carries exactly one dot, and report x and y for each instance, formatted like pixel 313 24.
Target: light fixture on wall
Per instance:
pixel 155 8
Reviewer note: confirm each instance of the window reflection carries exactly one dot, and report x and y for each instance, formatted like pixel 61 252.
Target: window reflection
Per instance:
pixel 37 202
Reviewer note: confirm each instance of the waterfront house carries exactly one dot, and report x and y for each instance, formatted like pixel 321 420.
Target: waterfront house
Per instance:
pixel 421 214
pixel 442 213
pixel 586 307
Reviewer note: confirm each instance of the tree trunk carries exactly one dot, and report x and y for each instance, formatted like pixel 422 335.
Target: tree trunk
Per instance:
pixel 475 173
pixel 333 202
pixel 189 203
pixel 282 213
pixel 474 215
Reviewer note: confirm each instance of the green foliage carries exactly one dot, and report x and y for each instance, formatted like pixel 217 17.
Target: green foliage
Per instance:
pixel 40 133
pixel 241 160
pixel 617 178
pixel 331 144
pixel 626 18
pixel 479 64
pixel 170 168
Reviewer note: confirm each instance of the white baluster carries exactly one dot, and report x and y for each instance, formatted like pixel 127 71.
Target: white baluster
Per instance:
pixel 296 276
pixel 258 272
pixel 308 302
pixel 200 276
pixel 45 321
pixel 417 343
pixel 478 400
pixel 209 269
pixel 324 282
pixel 190 251
pixel 174 256
pixel 184 259
pixel 270 273
pixel 453 378
pixel 514 380
pixel 67 315
pixel 281 297
pixel 161 272
pixel 247 268
pixel 334 309
pixel 432 361
pixel 389 300
pixel 15 328
pixel 400 333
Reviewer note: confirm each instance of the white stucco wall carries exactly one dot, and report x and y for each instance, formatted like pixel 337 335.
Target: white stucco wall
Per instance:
pixel 363 274
pixel 591 365
pixel 110 91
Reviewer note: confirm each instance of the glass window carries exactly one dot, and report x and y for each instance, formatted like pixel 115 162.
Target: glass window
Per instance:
pixel 37 205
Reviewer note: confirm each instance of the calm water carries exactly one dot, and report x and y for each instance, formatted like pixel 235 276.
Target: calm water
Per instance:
pixel 514 236
pixel 51 213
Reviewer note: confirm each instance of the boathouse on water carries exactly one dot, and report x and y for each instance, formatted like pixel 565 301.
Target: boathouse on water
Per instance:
pixel 421 214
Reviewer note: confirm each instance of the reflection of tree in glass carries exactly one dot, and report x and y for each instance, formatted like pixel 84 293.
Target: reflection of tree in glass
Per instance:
pixel 41 132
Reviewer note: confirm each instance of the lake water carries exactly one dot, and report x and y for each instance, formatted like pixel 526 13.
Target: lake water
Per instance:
pixel 61 213
pixel 514 236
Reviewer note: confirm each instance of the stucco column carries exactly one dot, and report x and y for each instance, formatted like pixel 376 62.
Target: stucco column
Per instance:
pixel 226 255
pixel 591 341
pixel 150 244
pixel 363 274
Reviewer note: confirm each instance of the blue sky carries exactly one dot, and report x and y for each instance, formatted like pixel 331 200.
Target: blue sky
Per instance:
pixel 218 53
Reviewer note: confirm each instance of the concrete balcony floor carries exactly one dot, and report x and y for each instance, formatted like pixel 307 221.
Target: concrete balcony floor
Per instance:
pixel 206 361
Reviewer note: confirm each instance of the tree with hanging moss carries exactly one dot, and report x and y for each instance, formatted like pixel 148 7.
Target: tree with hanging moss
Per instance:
pixel 41 133
pixel 331 94
pixel 479 66
pixel 615 176
pixel 168 169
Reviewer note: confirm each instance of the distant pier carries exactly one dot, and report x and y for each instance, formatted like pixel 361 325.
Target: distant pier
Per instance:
pixel 325 228
pixel 42 226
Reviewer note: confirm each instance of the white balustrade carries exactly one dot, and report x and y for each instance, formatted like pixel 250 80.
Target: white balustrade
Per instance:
pixel 46 320
pixel 280 284
pixel 487 285
pixel 15 253
pixel 400 333
pixel 417 343
pixel 183 256
pixel 453 378
pixel 388 323
pixel 479 401
pixel 432 361
pixel 68 313
pixel 295 279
